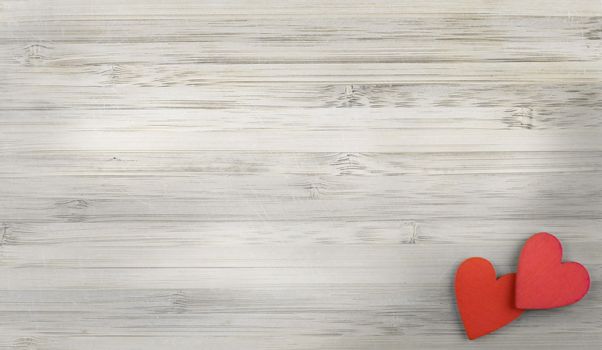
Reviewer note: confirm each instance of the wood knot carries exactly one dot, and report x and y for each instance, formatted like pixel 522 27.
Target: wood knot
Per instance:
pixel 74 204
pixel 179 302
pixel 348 164
pixel 5 235
pixel 413 236
pixel 35 54
pixel 521 117
pixel 314 190
pixel 351 97
pixel 27 343
pixel 73 210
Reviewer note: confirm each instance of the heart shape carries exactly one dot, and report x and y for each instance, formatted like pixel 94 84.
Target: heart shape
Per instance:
pixel 542 280
pixel 484 302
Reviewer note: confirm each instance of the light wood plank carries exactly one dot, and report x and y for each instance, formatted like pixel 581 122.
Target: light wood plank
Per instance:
pixel 290 175
pixel 144 8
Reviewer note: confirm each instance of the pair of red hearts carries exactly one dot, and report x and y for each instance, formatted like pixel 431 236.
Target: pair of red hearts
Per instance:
pixel 542 281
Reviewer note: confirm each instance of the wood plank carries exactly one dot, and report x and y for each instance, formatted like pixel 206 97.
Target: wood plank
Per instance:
pixel 559 101
pixel 343 73
pixel 180 234
pixel 264 317
pixel 142 9
pixel 203 132
pixel 72 42
pixel 306 195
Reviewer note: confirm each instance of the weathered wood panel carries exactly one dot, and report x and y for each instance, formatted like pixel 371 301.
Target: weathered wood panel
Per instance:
pixel 290 175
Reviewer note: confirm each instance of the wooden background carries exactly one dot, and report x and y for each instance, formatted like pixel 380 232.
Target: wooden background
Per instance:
pixel 180 174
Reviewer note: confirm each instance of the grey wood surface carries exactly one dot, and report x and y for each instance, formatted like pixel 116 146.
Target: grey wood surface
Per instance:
pixel 291 174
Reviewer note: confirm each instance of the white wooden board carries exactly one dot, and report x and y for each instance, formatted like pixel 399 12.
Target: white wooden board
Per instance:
pixel 291 174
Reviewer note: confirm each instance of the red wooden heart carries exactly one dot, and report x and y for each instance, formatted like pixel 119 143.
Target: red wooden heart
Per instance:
pixel 542 280
pixel 485 304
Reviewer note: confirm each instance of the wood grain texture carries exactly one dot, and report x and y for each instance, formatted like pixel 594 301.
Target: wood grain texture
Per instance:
pixel 291 174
